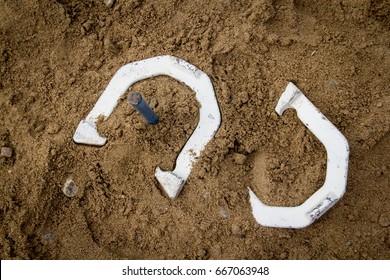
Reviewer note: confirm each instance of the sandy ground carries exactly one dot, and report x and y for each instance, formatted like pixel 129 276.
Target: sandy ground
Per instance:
pixel 57 57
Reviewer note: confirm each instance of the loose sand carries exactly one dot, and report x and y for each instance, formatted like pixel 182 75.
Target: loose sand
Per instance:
pixel 56 58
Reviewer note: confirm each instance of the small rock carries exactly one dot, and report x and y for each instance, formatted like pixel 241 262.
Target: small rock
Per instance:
pixel 98 64
pixel 88 25
pixel 351 217
pixel 70 189
pixel 40 127
pixel 384 219
pixel 224 213
pixel 71 81
pixel 237 231
pixel 153 103
pixel 284 143
pixel 53 128
pixel 274 116
pixel 139 126
pixel 247 37
pixel 109 3
pixel 6 152
pixel 332 85
pixel 202 253
pixel 49 237
pixel 239 158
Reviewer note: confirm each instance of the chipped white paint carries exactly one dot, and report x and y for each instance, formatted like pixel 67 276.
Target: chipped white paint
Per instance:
pixel 334 187
pixel 195 79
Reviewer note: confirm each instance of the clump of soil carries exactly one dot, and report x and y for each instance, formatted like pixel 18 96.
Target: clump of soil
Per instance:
pixel 57 57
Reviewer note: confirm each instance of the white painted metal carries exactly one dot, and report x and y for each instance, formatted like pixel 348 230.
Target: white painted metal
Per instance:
pixel 195 79
pixel 336 174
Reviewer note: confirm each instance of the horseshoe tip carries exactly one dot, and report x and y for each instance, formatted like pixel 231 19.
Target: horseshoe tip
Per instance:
pixel 171 183
pixel 288 97
pixel 86 133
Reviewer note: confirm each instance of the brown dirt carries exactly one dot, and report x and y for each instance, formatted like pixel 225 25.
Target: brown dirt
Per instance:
pixel 56 58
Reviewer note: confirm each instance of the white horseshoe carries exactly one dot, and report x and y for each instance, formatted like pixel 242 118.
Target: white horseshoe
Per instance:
pixel 336 173
pixel 195 79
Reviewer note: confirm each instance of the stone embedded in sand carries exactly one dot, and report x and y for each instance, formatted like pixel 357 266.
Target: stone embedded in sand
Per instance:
pixel 224 213
pixel 49 237
pixel 6 152
pixel 109 3
pixel 70 189
pixel 237 231
pixel 53 128
pixel 239 158
pixel 384 220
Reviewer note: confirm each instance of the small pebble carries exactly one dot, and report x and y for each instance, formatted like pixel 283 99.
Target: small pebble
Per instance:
pixel 384 219
pixel 247 37
pixel 224 213
pixel 98 63
pixel 139 126
pixel 332 85
pixel 6 152
pixel 284 143
pixel 153 103
pixel 202 253
pixel 236 231
pixel 71 81
pixel 49 237
pixel 239 158
pixel 40 127
pixel 109 3
pixel 70 189
pixel 88 25
pixel 53 128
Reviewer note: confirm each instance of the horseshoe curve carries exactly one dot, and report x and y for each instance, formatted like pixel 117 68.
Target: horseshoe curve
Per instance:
pixel 334 187
pixel 188 74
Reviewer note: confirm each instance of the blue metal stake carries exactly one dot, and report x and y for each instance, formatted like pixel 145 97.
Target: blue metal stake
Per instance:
pixel 136 100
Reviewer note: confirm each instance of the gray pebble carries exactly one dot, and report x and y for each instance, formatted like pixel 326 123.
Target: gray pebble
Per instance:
pixel 70 189
pixel 6 152
pixel 49 237
pixel 224 213
pixel 109 3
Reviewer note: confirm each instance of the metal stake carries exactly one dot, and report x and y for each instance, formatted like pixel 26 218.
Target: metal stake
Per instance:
pixel 136 100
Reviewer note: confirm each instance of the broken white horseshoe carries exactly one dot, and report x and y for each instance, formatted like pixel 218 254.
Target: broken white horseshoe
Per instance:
pixel 198 81
pixel 336 173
